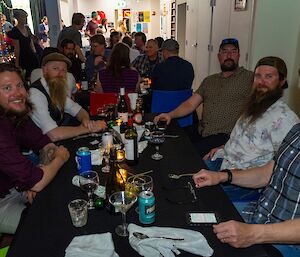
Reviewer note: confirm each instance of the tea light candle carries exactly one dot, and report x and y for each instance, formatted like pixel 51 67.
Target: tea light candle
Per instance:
pixel 120 155
pixel 119 122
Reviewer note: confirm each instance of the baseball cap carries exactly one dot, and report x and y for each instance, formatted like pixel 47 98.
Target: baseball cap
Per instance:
pixel 230 41
pixel 56 57
pixel 170 45
pixel 275 62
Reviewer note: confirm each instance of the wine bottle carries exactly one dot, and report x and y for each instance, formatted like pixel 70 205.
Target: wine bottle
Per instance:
pixel 83 78
pixel 122 106
pixel 112 183
pixel 131 144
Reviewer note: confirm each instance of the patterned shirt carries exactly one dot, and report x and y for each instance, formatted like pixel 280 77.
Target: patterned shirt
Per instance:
pixel 143 65
pixel 223 99
pixel 280 200
pixel 253 145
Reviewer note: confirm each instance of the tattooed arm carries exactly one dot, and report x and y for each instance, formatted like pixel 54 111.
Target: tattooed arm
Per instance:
pixel 47 153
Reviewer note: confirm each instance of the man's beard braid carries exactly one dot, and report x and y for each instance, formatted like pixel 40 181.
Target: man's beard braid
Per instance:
pixel 58 92
pixel 15 116
pixel 259 102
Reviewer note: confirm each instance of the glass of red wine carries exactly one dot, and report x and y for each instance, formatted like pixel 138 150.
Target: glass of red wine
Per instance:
pixel 89 181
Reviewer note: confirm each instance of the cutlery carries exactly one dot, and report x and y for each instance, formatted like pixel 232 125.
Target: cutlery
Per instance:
pixel 171 136
pixel 178 176
pixel 143 236
pixel 88 135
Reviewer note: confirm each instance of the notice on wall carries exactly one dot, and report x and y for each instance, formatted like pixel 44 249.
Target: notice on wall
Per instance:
pixel 139 27
pixel 145 28
pixel 141 17
pixel 147 16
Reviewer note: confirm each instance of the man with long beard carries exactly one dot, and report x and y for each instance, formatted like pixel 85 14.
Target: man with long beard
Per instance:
pixel 223 95
pixel 264 123
pixel 20 179
pixel 51 105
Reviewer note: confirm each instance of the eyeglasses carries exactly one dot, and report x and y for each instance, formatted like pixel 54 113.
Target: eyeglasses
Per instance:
pixel 191 190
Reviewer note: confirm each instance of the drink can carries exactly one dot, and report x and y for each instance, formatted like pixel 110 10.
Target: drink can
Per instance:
pixel 146 207
pixel 107 139
pixel 84 159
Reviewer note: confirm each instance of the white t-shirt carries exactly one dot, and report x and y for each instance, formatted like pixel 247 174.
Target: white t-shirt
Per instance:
pixel 40 114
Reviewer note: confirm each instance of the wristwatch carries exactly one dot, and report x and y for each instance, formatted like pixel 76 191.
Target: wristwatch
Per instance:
pixel 229 173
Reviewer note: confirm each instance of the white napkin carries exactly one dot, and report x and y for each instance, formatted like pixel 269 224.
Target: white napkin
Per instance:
pixel 142 145
pixel 96 245
pixel 96 157
pixel 194 242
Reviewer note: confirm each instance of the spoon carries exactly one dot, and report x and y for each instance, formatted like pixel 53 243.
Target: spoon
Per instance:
pixel 143 236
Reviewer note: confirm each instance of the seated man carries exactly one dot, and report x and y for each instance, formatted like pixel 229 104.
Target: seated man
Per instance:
pixel 51 103
pixel 20 180
pixel 223 95
pixel 174 73
pixel 145 63
pixel 263 125
pixel 276 214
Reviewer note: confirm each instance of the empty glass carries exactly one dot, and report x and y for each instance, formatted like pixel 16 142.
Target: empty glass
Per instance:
pixel 157 138
pixel 89 181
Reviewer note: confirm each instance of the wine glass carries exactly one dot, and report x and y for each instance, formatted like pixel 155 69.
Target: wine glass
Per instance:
pixel 157 138
pixel 138 183
pixel 89 181
pixel 122 201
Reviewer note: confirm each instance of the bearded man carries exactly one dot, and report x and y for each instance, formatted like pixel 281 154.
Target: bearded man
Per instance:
pixel 51 105
pixel 223 95
pixel 20 179
pixel 264 123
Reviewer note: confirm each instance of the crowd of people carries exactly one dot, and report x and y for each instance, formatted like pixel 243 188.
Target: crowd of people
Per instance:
pixel 247 135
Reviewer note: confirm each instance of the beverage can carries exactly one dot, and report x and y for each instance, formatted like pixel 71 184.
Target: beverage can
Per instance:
pixel 146 207
pixel 83 159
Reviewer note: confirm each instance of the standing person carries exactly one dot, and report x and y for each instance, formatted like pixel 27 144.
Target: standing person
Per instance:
pixel 182 71
pixel 223 95
pixel 72 32
pixel 92 25
pixel 53 108
pixel 24 49
pixel 119 72
pixel 20 179
pixel 139 41
pixel 145 63
pixel 43 31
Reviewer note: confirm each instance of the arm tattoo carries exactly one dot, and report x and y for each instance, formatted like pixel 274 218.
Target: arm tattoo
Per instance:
pixel 47 154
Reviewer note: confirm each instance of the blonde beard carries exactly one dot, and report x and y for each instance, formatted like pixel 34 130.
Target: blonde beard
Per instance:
pixel 58 92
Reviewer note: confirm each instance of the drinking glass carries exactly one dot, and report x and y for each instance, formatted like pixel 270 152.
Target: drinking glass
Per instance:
pixel 122 201
pixel 138 183
pixel 89 181
pixel 102 112
pixel 157 138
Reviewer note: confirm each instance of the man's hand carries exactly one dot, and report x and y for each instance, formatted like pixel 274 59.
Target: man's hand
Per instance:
pixel 237 234
pixel 62 153
pixel 98 60
pixel 30 195
pixel 207 178
pixel 211 153
pixel 94 125
pixel 163 116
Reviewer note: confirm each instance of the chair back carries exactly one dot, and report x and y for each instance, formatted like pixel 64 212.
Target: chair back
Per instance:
pixel 165 101
pixel 98 100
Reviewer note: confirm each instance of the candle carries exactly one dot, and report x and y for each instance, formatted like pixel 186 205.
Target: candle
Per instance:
pixel 122 176
pixel 120 155
pixel 119 122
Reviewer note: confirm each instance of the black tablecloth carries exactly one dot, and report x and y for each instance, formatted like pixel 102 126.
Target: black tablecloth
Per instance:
pixel 46 228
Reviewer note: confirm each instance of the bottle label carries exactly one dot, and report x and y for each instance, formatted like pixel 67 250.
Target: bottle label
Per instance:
pixel 123 116
pixel 138 118
pixel 84 85
pixel 130 148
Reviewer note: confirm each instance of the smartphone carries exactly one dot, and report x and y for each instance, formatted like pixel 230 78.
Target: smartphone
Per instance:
pixel 202 218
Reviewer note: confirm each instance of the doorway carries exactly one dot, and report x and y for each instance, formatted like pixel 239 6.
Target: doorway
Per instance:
pixel 181 28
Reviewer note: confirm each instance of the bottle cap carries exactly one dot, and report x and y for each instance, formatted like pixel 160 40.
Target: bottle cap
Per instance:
pixel 122 91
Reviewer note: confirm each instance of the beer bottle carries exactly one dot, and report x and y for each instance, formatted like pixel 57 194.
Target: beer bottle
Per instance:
pixel 83 78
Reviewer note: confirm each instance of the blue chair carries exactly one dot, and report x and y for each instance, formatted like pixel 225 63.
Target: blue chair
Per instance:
pixel 165 101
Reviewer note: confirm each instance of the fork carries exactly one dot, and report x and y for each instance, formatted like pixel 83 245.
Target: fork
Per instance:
pixel 176 176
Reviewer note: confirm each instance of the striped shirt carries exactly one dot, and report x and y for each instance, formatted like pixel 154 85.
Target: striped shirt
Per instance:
pixel 129 79
pixel 280 200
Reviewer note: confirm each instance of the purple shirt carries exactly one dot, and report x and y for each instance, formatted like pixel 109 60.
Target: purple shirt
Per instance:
pixel 129 79
pixel 15 169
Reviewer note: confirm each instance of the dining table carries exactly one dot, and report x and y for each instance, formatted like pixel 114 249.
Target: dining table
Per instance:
pixel 46 230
